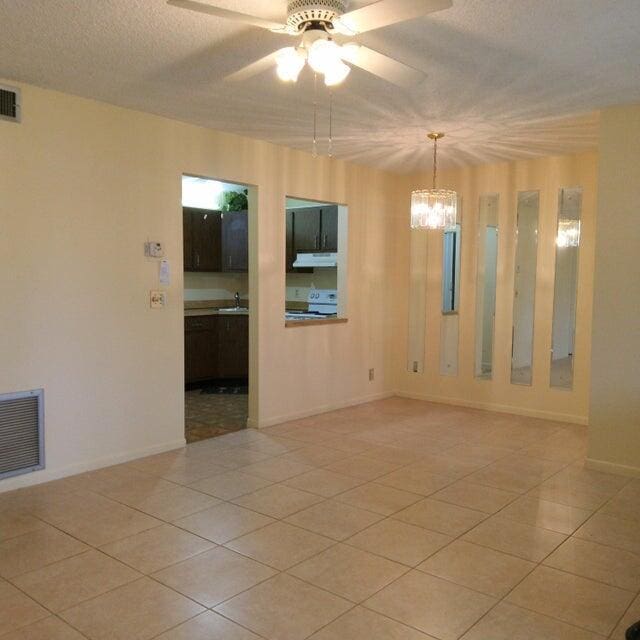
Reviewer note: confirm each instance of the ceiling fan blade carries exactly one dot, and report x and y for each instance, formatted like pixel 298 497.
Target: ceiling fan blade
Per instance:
pixel 201 7
pixel 254 68
pixel 382 66
pixel 386 12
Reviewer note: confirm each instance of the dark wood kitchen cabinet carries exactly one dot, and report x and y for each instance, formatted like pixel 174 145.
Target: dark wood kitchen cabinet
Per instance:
pixel 233 346
pixel 235 241
pixel 216 347
pixel 215 241
pixel 311 230
pixel 200 348
pixel 202 239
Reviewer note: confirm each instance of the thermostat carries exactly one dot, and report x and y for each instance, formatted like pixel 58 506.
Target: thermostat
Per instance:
pixel 153 250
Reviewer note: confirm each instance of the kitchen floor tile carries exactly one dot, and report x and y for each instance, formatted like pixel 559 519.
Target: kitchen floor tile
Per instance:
pixel 475 496
pixel 362 624
pixel 362 468
pixel 278 500
pixel 523 540
pixel 348 572
pixel 441 516
pixel 137 611
pixel 584 603
pixel 157 548
pixel 415 479
pixel 231 484
pixel 508 622
pixel 434 606
pixel 399 541
pixel 50 628
pixel 276 469
pixel 614 532
pixel 547 515
pixel 334 519
pixel 107 525
pixel 480 568
pixel 323 482
pixel 223 522
pixel 16 609
pixel 214 576
pixel 280 545
pixel 66 583
pixel 612 566
pixel 176 502
pixel 13 524
pixel 378 498
pixel 631 616
pixel 36 549
pixel 284 608
pixel 208 626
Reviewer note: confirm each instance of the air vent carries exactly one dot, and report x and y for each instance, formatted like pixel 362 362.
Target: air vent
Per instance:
pixel 21 432
pixel 9 104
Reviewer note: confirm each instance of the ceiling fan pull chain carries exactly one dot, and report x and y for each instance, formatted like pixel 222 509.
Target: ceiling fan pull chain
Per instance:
pixel 330 124
pixel 435 160
pixel 315 116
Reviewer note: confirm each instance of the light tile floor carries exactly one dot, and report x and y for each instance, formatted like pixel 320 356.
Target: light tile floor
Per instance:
pixel 395 520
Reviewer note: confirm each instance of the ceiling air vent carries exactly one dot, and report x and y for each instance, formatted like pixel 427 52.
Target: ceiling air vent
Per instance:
pixel 21 432
pixel 9 103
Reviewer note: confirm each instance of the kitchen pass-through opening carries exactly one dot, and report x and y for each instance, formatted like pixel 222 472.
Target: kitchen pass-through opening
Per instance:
pixel 216 306
pixel 316 262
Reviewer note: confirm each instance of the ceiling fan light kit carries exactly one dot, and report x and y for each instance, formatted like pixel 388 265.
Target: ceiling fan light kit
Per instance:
pixel 434 208
pixel 321 24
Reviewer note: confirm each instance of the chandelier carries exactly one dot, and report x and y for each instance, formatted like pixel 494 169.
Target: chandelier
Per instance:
pixel 434 208
pixel 323 55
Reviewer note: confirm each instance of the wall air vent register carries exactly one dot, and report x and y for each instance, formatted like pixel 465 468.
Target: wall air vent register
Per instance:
pixel 9 103
pixel 21 432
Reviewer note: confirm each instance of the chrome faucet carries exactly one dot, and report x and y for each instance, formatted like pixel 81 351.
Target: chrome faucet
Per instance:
pixel 237 299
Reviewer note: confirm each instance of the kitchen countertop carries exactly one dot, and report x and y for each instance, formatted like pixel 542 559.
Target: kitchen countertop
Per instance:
pixel 212 308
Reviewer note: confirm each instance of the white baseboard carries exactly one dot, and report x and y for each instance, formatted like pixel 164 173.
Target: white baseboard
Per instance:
pixel 500 408
pixel 612 467
pixel 45 475
pixel 269 422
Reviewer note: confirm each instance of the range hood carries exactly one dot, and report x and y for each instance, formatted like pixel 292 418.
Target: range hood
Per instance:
pixel 316 260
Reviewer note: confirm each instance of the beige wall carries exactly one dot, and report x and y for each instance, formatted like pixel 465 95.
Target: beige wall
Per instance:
pixel 83 186
pixel 547 175
pixel 614 422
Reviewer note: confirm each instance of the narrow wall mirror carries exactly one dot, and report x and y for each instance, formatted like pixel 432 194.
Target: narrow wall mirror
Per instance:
pixel 565 287
pixel 417 300
pixel 486 276
pixel 524 287
pixel 450 300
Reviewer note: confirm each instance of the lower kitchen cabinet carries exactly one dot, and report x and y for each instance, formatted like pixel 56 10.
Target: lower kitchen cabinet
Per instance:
pixel 216 347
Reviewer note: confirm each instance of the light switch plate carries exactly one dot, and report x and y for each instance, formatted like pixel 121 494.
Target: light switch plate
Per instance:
pixel 157 299
pixel 153 249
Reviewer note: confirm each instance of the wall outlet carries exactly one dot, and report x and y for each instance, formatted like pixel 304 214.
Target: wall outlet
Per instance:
pixel 157 299
pixel 372 374
pixel 153 250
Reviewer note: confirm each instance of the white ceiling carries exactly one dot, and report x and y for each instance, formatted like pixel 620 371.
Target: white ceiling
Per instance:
pixel 504 78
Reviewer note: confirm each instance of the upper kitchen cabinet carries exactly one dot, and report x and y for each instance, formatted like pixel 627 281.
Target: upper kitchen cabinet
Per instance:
pixel 202 239
pixel 215 241
pixel 311 230
pixel 235 241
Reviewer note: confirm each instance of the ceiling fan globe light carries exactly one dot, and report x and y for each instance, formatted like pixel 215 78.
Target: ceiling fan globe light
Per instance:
pixel 336 74
pixel 323 55
pixel 289 64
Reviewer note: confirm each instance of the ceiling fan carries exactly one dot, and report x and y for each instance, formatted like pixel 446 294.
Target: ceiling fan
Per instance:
pixel 324 28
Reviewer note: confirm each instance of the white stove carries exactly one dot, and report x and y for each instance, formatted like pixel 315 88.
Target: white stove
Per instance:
pixel 322 303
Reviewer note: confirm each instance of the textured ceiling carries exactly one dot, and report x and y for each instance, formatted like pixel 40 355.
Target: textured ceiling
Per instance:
pixel 504 78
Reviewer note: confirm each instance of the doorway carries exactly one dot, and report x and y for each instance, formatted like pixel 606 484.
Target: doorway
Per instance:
pixel 215 218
